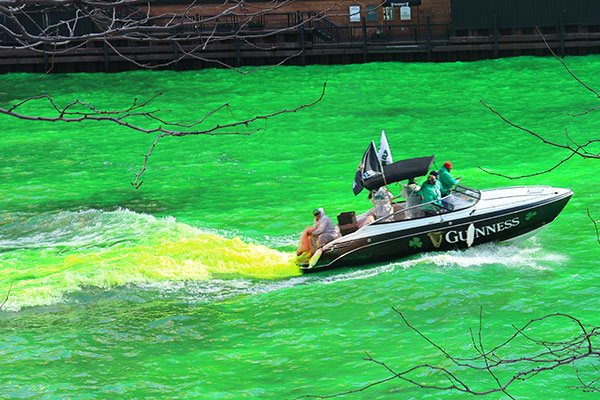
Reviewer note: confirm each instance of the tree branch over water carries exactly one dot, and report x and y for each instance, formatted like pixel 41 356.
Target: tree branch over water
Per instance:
pixel 193 31
pixel 595 222
pixel 572 147
pixel 525 354
pixel 79 111
pixel 7 296
pixel 54 27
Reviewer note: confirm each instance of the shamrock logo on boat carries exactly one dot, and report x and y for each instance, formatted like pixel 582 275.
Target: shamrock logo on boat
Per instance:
pixel 530 215
pixel 415 243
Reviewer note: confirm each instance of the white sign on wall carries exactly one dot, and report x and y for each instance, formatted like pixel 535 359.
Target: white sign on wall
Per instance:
pixel 354 13
pixel 405 13
pixel 388 13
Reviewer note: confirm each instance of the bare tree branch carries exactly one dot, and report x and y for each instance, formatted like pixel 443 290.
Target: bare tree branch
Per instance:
pixel 529 175
pixel 576 149
pixel 565 65
pixel 588 387
pixel 488 366
pixel 213 131
pixel 580 149
pixel 595 222
pixel 552 355
pixel 7 296
pixel 124 116
pixel 28 24
pixel 56 27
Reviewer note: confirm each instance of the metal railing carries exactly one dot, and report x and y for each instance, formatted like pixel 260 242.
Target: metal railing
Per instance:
pixel 440 204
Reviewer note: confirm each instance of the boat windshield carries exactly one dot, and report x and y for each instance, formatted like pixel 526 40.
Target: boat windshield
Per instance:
pixel 461 197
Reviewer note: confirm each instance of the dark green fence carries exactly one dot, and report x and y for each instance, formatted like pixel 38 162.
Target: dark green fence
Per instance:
pixel 482 14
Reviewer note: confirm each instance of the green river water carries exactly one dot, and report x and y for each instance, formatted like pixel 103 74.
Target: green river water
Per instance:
pixel 186 288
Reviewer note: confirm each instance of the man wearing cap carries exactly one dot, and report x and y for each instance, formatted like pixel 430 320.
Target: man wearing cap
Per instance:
pixel 323 230
pixel 410 193
pixel 446 180
pixel 430 193
pixel 437 180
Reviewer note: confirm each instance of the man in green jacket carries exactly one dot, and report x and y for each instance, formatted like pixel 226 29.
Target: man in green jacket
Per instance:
pixel 430 192
pixel 446 180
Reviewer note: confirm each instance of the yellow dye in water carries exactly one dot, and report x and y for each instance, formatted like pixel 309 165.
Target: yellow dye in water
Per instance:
pixel 195 258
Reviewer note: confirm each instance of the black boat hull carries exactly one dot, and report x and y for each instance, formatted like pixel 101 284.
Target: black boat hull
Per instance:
pixel 442 236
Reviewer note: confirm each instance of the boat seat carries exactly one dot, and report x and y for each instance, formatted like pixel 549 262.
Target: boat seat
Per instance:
pixel 397 207
pixel 347 222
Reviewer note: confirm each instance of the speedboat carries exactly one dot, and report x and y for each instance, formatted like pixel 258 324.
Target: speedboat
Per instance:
pixel 466 217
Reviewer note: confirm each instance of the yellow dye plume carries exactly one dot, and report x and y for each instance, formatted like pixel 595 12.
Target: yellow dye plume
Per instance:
pixel 199 257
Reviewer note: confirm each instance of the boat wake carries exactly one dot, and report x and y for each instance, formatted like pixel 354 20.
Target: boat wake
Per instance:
pixel 49 256
pixel 67 256
pixel 528 255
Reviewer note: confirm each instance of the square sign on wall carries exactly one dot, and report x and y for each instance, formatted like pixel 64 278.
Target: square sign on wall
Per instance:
pixel 405 13
pixel 354 13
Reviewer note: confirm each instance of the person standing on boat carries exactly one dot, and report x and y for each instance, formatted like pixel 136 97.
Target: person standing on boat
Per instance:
pixel 323 230
pixel 382 200
pixel 411 193
pixel 430 192
pixel 446 180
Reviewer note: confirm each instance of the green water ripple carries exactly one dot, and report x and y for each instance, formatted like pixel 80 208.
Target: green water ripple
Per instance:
pixel 184 288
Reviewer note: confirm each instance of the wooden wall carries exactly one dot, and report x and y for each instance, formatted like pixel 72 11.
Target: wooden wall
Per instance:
pixel 337 11
pixel 439 10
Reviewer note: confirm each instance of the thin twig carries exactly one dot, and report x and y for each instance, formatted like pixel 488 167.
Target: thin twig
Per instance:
pixel 565 65
pixel 568 352
pixel 529 175
pixel 137 183
pixel 7 296
pixel 574 149
pixel 595 222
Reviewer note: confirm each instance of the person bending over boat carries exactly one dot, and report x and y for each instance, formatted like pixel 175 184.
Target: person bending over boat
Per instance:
pixel 318 235
pixel 430 192
pixel 410 192
pixel 382 200
pixel 324 230
pixel 446 180
pixel 382 205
